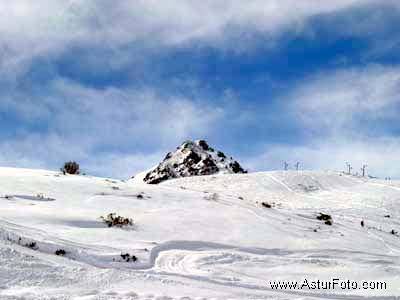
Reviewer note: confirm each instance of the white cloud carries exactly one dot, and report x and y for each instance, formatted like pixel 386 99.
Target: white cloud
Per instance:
pixel 82 119
pixel 117 165
pixel 336 99
pixel 30 29
pixel 42 151
pixel 129 123
pixel 172 21
pixel 339 113
pixel 102 127
pixel 114 114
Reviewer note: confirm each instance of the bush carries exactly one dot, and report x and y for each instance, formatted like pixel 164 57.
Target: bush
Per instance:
pixel 212 197
pixel 60 252
pixel 71 167
pixel 127 257
pixel 112 220
pixel 221 154
pixel 267 205
pixel 31 245
pixel 323 217
pixel 326 218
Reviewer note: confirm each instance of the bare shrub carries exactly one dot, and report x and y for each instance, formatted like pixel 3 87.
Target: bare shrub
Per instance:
pixel 112 220
pixel 127 257
pixel 326 218
pixel 266 205
pixel 60 252
pixel 70 167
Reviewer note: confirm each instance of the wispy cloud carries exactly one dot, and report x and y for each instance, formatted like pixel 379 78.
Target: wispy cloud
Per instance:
pixel 31 29
pixel 346 116
pixel 53 111
pixel 342 99
pixel 81 121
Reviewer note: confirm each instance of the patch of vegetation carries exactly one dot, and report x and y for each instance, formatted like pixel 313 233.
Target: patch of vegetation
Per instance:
pixel 60 252
pixel 41 196
pixel 110 181
pixel 308 188
pixel 203 144
pixel 112 220
pixel 212 197
pixel 22 242
pixel 326 218
pixel 221 154
pixel 70 167
pixel 31 245
pixel 266 205
pixel 127 257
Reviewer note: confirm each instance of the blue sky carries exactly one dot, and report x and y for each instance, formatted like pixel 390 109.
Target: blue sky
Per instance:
pixel 116 86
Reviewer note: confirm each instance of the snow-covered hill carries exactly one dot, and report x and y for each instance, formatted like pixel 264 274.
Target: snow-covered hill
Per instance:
pixel 192 159
pixel 222 236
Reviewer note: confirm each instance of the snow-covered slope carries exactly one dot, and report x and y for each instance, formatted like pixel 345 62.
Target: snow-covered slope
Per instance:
pixel 192 159
pixel 204 237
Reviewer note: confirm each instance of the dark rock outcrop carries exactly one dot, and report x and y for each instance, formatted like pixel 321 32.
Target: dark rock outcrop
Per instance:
pixel 192 159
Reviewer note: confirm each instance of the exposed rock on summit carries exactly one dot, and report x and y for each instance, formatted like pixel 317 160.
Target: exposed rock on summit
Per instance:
pixel 192 159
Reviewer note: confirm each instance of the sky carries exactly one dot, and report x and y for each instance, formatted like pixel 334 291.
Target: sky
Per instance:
pixel 114 85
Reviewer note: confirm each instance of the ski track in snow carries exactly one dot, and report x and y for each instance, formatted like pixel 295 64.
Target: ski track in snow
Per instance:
pixel 202 269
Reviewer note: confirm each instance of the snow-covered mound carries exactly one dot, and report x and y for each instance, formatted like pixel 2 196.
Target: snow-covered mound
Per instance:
pixel 205 237
pixel 192 159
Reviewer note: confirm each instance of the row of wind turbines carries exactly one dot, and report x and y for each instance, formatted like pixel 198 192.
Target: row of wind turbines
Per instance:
pixel 348 167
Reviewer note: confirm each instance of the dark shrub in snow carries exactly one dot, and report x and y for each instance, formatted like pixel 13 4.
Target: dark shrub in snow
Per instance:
pixel 221 154
pixel 31 245
pixel 265 204
pixel 127 257
pixel 203 144
pixel 326 218
pixel 112 220
pixel 60 252
pixel 236 168
pixel 71 167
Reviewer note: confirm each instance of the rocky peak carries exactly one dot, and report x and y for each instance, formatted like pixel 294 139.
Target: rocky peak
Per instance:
pixel 192 158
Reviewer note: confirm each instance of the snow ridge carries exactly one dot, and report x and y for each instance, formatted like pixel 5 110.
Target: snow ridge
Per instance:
pixel 193 159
